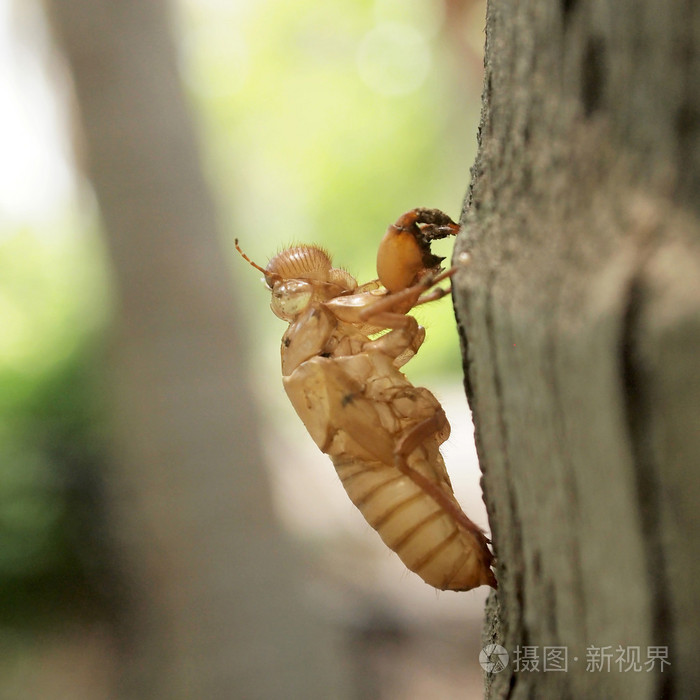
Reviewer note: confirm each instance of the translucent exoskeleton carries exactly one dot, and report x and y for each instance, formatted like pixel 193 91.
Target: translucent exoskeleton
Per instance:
pixel 344 381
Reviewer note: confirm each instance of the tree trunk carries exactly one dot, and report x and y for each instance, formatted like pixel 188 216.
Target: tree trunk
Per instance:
pixel 215 607
pixel 580 319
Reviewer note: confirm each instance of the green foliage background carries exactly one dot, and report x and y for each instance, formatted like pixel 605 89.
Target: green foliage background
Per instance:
pixel 314 128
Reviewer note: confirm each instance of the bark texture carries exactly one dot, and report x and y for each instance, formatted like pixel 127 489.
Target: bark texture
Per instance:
pixel 580 319
pixel 215 606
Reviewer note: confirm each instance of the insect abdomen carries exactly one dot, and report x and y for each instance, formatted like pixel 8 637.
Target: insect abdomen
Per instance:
pixel 426 538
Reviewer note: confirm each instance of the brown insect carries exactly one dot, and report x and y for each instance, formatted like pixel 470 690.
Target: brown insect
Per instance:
pixel 382 433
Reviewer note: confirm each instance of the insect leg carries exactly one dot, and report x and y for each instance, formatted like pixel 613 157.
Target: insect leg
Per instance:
pixel 406 444
pixel 404 300
pixel 402 342
pixel 404 254
pixel 434 295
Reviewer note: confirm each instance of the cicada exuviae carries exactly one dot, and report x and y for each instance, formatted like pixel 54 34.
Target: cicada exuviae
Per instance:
pixel 382 433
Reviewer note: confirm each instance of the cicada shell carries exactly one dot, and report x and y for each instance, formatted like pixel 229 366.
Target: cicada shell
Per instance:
pixel 382 433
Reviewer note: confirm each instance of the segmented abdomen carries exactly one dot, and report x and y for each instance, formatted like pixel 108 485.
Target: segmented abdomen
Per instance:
pixel 426 538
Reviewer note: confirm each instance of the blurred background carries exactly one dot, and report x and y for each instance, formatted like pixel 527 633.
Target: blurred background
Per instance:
pixel 163 513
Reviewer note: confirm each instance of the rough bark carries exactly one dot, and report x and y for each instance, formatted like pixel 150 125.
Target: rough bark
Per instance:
pixel 215 609
pixel 580 319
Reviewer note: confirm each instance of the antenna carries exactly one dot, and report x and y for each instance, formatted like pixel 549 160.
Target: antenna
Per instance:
pixel 265 272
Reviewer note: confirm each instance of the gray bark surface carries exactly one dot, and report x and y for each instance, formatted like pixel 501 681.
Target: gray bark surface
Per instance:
pixel 580 320
pixel 216 608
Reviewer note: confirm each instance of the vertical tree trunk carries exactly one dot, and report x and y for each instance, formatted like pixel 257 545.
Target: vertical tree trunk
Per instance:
pixel 216 610
pixel 580 316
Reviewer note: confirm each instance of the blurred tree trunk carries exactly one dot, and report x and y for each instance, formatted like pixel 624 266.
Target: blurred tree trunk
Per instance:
pixel 580 316
pixel 215 606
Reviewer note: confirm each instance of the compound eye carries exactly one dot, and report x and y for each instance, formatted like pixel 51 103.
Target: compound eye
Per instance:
pixel 290 298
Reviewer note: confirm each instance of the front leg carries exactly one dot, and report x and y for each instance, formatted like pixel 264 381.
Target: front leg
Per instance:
pixel 405 336
pixel 404 254
pixel 400 303
pixel 402 342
